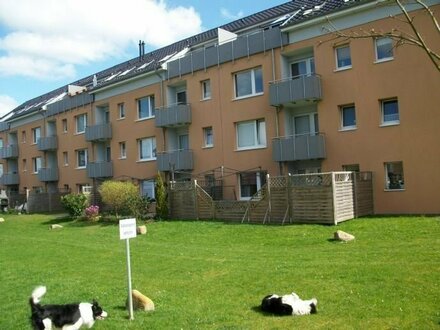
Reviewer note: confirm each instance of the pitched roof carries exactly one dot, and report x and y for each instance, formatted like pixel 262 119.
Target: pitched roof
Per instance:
pixel 287 14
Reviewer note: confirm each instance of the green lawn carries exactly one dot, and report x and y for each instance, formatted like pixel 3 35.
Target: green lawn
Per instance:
pixel 212 275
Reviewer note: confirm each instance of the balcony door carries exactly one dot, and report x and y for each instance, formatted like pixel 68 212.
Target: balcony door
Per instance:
pixel 306 124
pixel 304 67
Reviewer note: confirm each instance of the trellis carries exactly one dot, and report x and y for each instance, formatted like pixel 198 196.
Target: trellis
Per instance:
pixel 325 198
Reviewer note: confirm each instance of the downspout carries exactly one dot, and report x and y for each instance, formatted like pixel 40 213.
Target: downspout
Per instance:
pixel 277 111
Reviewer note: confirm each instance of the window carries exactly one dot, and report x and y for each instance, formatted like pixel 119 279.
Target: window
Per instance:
pixel 81 123
pixel 145 107
pixel 250 183
pixel 303 67
pixel 121 110
pixel 147 148
pixel 122 150
pixel 251 134
pixel 208 137
pixel 394 176
pixel 351 168
pixel 81 158
pixel 23 136
pixel 181 97
pixel 343 58
pixel 1 170
pixel 65 158
pixel 248 83
pixel 36 134
pixel 147 188
pixel 390 112
pixel 64 124
pixel 206 89
pixel 348 117
pixel 36 164
pixel 183 141
pixel 24 165
pixel 384 49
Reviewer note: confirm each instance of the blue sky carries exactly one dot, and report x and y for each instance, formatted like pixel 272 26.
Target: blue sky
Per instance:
pixel 47 44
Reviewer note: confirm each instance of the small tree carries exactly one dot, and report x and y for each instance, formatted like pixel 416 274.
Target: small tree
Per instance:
pixel 161 198
pixel 119 196
pixel 74 204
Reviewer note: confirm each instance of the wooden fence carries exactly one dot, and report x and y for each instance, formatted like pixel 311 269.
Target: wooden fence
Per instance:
pixel 324 198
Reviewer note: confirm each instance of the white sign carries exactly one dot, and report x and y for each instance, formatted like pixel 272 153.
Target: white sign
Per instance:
pixel 127 228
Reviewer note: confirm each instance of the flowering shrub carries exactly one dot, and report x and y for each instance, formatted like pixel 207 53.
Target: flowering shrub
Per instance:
pixel 92 212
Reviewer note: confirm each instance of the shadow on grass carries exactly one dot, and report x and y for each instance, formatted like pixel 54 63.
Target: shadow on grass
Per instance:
pixel 72 222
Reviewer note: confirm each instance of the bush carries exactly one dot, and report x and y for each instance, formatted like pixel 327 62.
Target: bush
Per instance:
pixel 161 198
pixel 92 212
pixel 74 204
pixel 121 197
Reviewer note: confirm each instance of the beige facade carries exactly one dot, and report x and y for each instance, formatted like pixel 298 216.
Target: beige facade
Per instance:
pixel 367 115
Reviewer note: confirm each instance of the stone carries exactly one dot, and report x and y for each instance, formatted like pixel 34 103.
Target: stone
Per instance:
pixel 142 230
pixel 140 301
pixel 55 226
pixel 2 220
pixel 343 236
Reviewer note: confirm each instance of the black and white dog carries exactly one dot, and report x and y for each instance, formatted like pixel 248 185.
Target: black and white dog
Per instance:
pixel 289 304
pixel 66 317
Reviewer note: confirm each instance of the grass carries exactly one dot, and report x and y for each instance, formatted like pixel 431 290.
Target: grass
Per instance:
pixel 212 275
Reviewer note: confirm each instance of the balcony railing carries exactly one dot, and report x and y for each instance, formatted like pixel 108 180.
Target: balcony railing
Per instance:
pixel 9 179
pixel 46 174
pixel 10 151
pixel 102 169
pixel 173 115
pixel 175 160
pixel 300 147
pixel 295 89
pixel 47 143
pixel 99 132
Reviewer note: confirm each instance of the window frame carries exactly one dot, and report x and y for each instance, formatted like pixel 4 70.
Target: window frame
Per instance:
pixel 206 89
pixel 208 134
pixel 37 163
pixel 342 109
pixel 65 158
pixel 153 154
pixel 64 125
pixel 382 112
pixel 260 180
pixel 121 110
pixel 122 150
pixel 78 151
pixel 337 58
pixel 36 136
pixel 253 82
pixel 82 117
pixel 150 111
pixel 399 184
pixel 258 138
pixel 152 188
pixel 384 58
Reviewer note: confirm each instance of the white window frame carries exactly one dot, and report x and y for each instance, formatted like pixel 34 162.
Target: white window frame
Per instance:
pixel 78 152
pixel 151 141
pixel 342 110
pixel 121 110
pixel 66 158
pixel 309 65
pixel 36 134
pixel 80 120
pixel 384 58
pixel 206 89
pixel 37 163
pixel 208 137
pixel 394 181
pixel 122 150
pixel 343 65
pixel 150 111
pixel 395 121
pixel 253 82
pixel 258 134
pixel 148 186
pixel 64 124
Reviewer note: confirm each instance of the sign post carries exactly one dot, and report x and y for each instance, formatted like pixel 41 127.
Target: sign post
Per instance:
pixel 127 230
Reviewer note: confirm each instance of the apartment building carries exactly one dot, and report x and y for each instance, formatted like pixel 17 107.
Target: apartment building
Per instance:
pixel 272 93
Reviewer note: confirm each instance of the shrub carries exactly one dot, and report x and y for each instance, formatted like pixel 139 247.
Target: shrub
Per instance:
pixel 119 196
pixel 92 212
pixel 161 198
pixel 74 204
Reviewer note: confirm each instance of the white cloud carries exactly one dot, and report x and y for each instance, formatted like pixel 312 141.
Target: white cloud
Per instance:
pixel 7 104
pixel 230 16
pixel 48 38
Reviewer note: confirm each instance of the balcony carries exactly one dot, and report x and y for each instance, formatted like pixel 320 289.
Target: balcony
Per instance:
pixel 303 147
pixel 10 151
pixel 9 179
pixel 48 174
pixel 100 132
pixel 295 89
pixel 173 115
pixel 175 160
pixel 47 143
pixel 102 169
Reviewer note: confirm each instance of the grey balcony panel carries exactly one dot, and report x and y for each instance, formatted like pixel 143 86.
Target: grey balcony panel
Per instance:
pixel 48 143
pixel 240 48
pixel 10 151
pixel 198 60
pixel 99 132
pixel 274 38
pixel 100 169
pixel 175 160
pixel 185 64
pixel 211 56
pixel 9 179
pixel 295 89
pixel 48 174
pixel 256 42
pixel 174 115
pixel 173 69
pixel 225 52
pixel 302 147
pixel 69 102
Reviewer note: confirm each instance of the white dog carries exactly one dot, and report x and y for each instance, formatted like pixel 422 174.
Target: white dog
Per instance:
pixel 289 304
